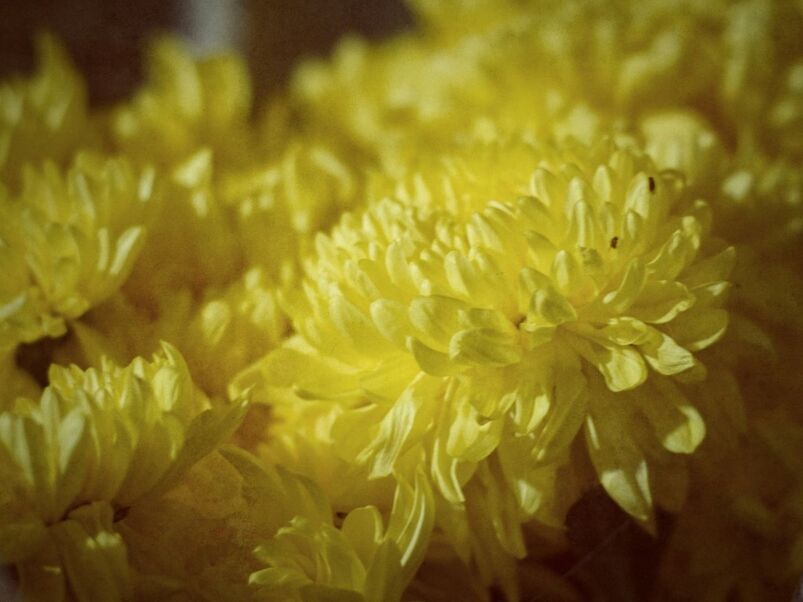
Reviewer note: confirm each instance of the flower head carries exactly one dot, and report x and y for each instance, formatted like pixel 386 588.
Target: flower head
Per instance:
pixel 185 106
pixel 361 560
pixel 68 242
pixel 479 331
pixel 110 436
pixel 44 117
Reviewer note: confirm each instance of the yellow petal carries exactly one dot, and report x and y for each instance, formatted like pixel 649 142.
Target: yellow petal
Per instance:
pixel 678 424
pixel 620 299
pixel 431 361
pixel 552 306
pixel 390 319
pixel 665 355
pixel 660 301
pixel 622 367
pixel 408 420
pixel 697 330
pixel 566 390
pixel 411 521
pixel 436 317
pixel 621 466
pixel 483 346
pixel 94 555
pixel 712 269
pixel 469 439
pixel 355 325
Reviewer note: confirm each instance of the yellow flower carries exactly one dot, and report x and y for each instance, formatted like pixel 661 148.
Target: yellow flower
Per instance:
pixel 562 69
pixel 419 91
pixel 656 53
pixel 44 117
pixel 528 297
pixel 69 242
pixel 185 106
pixel 106 438
pixel 478 337
pixel 361 560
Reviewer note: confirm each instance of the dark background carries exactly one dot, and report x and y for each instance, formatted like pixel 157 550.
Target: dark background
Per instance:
pixel 106 37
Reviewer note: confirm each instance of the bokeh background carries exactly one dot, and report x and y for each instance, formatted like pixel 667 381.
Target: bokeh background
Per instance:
pixel 106 37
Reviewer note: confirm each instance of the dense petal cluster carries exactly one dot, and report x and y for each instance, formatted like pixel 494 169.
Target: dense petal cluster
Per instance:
pixel 503 307
pixel 486 340
pixel 96 443
pixel 68 242
pixel 186 105
pixel 45 116
pixel 311 558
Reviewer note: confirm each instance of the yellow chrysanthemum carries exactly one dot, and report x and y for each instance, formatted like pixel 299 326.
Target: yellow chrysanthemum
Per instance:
pixel 186 105
pixel 480 340
pixel 362 560
pixel 421 91
pixel 639 56
pixel 44 117
pixel 563 69
pixel 502 283
pixel 98 442
pixel 68 242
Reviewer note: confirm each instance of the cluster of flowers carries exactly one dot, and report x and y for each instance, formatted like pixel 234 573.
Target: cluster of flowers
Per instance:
pixel 406 317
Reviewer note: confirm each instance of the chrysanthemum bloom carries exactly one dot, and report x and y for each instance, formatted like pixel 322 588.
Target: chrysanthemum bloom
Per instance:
pixel 184 106
pixel 72 464
pixel 68 242
pixel 234 221
pixel 232 247
pixel 563 68
pixel 362 560
pixel 478 335
pixel 424 90
pixel 43 117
